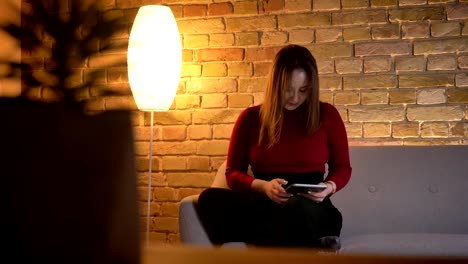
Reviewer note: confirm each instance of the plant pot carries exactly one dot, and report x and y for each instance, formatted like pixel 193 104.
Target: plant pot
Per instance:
pixel 68 184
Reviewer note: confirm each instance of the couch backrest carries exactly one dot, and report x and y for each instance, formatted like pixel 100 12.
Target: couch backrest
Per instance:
pixel 405 189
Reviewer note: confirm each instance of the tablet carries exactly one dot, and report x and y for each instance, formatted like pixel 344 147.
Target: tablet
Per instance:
pixel 304 188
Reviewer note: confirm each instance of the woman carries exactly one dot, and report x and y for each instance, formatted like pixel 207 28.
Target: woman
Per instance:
pixel 288 139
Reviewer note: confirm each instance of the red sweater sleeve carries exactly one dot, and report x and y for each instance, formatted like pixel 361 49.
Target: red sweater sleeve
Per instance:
pixel 339 168
pixel 238 154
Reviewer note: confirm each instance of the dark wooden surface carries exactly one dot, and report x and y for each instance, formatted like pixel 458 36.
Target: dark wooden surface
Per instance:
pixel 200 255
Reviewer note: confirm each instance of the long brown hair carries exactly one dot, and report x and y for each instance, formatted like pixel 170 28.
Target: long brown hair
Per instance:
pixel 286 61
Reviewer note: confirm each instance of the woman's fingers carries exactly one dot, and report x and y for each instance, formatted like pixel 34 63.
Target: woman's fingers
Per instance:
pixel 281 195
pixel 282 200
pixel 279 184
pixel 277 192
pixel 278 188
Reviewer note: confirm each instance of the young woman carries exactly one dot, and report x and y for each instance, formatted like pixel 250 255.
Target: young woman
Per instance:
pixel 288 139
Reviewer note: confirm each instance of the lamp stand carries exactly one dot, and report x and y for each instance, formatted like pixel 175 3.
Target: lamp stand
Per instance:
pixel 154 43
pixel 148 209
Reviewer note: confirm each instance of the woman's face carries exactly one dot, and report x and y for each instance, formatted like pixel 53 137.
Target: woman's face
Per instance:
pixel 298 91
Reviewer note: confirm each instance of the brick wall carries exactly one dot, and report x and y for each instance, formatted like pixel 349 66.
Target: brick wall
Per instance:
pixel 396 70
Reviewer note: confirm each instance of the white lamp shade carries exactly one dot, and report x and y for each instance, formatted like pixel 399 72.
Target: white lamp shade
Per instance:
pixel 154 58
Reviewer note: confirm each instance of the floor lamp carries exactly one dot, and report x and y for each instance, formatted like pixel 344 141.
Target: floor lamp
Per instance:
pixel 154 61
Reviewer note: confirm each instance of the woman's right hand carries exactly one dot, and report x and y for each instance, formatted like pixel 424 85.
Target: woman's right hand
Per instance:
pixel 274 190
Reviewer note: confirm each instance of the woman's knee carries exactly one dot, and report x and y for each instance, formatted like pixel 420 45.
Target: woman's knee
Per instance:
pixel 211 195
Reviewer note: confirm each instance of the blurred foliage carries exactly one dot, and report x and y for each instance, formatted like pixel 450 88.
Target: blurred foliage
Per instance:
pixel 65 34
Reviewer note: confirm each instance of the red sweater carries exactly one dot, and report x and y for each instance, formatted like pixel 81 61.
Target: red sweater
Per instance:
pixel 294 153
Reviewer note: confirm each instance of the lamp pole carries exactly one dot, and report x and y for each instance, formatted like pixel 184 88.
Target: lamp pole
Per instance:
pixel 150 170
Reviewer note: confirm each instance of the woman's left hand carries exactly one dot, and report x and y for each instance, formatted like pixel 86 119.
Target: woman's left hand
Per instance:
pixel 319 196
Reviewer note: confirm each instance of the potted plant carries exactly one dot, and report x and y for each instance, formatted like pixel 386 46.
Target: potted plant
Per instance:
pixel 68 175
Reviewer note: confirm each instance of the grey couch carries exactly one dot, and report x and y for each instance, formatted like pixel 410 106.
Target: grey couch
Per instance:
pixel 401 200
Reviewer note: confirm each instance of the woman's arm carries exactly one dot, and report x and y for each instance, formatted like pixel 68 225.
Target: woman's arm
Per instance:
pixel 339 167
pixel 238 154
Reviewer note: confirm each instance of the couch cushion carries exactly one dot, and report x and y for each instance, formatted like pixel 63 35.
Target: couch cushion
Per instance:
pixel 220 177
pixel 407 244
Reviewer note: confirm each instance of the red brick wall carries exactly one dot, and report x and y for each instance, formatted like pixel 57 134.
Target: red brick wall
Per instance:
pixel 397 70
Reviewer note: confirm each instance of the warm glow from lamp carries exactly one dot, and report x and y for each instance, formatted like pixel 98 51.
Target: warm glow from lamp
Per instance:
pixel 154 61
pixel 154 58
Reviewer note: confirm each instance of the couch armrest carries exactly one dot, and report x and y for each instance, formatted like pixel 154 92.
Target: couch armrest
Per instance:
pixel 190 228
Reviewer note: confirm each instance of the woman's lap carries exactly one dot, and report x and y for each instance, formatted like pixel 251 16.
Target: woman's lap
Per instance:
pixel 230 216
